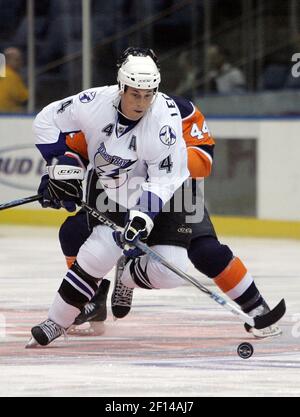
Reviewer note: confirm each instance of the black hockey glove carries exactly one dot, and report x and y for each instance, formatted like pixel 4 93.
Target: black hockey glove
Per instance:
pixel 46 200
pixel 58 194
pixel 138 227
pixel 63 186
pixel 68 192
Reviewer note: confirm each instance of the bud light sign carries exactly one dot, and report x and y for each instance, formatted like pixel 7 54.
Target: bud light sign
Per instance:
pixel 21 167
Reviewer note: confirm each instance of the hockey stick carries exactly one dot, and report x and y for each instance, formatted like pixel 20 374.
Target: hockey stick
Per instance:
pixel 259 322
pixel 20 202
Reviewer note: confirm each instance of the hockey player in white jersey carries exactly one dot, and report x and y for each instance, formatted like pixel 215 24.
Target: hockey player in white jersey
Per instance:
pixel 133 139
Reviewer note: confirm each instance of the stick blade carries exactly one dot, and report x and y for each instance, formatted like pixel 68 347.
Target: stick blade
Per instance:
pixel 261 322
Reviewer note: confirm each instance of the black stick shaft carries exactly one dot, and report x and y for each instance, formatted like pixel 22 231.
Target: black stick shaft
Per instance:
pixel 20 202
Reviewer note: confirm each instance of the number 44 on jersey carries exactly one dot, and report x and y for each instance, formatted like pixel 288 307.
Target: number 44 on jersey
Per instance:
pixel 199 133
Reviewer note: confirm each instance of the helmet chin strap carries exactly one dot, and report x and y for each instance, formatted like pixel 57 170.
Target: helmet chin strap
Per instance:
pixel 154 96
pixel 119 111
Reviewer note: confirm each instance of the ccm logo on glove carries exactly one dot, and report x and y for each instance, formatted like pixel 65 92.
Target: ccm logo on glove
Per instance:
pixel 69 172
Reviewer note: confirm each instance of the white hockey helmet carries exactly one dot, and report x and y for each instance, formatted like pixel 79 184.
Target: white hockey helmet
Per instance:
pixel 138 68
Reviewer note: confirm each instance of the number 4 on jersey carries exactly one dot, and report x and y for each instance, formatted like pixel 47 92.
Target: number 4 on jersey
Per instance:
pixel 199 133
pixel 166 164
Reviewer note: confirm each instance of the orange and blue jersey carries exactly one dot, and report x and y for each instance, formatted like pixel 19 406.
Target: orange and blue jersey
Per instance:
pixel 200 144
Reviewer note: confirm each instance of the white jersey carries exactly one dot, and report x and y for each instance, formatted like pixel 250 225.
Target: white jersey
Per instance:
pixel 151 156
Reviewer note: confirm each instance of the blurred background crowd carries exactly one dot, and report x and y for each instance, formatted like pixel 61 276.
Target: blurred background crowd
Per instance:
pixel 234 56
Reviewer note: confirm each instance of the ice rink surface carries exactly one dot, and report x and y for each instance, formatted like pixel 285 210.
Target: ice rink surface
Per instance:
pixel 174 343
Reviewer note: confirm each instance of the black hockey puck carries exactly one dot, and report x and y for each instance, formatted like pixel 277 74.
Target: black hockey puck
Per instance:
pixel 245 350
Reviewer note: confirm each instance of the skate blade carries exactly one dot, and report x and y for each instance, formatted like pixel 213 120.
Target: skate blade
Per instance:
pixel 32 344
pixel 92 328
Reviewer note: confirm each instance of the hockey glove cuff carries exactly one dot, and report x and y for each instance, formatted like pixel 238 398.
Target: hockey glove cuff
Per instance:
pixel 138 227
pixel 66 167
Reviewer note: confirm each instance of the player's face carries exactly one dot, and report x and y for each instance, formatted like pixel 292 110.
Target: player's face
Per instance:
pixel 135 102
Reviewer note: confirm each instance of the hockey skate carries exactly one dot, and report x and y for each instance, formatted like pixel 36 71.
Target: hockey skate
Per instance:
pixel 271 331
pixel 94 312
pixel 43 334
pixel 121 298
